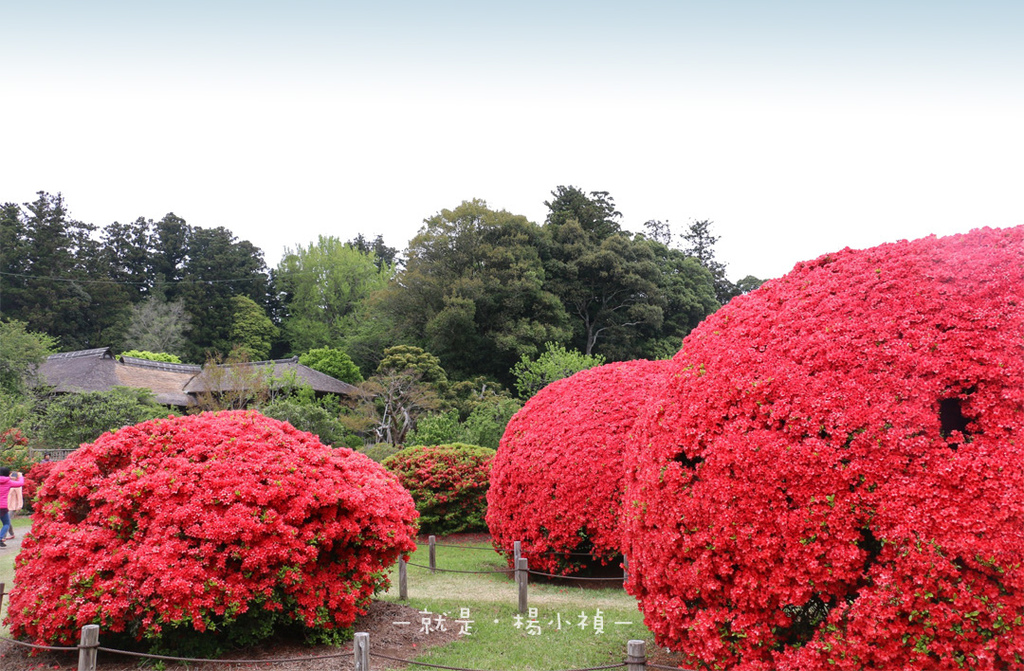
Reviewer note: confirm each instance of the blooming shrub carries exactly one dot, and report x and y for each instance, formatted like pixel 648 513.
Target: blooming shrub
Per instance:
pixel 556 484
pixel 831 476
pixel 33 478
pixel 228 523
pixel 448 484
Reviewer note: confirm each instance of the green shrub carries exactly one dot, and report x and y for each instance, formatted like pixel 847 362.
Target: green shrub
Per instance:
pixel 308 417
pixel 152 356
pixel 448 483
pixel 380 451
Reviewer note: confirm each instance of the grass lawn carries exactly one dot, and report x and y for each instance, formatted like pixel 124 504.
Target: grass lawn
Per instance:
pixel 559 634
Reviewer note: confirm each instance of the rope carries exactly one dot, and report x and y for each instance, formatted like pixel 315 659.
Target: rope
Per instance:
pixel 460 668
pixel 661 666
pixel 288 660
pixel 38 647
pixel 551 575
pixel 447 570
pixel 462 547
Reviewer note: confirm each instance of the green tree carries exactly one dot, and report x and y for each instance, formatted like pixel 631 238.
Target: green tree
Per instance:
pixel 701 245
pixel 473 291
pixel 333 362
pixel 217 268
pixel 322 286
pixel 68 420
pixel 486 423
pixel 310 417
pixel 555 363
pixel 54 277
pixel 384 257
pixel 21 351
pixel 251 328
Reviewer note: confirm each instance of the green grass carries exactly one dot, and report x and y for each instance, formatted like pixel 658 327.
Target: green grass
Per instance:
pixel 496 642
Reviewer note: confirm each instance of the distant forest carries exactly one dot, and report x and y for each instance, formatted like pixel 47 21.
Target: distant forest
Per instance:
pixel 477 288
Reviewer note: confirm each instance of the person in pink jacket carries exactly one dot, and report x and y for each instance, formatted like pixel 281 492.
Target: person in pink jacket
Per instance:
pixel 6 483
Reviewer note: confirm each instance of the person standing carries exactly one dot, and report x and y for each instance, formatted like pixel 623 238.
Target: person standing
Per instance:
pixel 6 484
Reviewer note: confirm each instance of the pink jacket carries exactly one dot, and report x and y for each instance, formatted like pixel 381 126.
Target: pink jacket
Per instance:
pixel 6 483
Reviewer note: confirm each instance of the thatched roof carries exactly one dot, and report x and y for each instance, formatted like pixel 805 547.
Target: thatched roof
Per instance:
pixel 99 370
pixel 279 372
pixel 174 384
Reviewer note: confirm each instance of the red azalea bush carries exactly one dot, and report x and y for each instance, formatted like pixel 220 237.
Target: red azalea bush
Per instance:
pixel 33 478
pixel 226 523
pixel 448 483
pixel 557 483
pixel 831 476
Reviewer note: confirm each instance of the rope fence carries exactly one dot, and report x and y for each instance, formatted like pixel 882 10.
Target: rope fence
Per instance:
pixel 89 647
pixel 522 571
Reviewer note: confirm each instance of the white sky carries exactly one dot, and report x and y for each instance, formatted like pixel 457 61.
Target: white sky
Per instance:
pixel 798 127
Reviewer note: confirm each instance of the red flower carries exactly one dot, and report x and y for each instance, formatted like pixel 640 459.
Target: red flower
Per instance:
pixel 187 523
pixel 556 484
pixel 831 475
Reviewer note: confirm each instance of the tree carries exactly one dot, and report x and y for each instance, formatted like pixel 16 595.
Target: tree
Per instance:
pixel 595 214
pixel 218 267
pixel 322 286
pixel 333 362
pixel 54 277
pixel 21 351
pixel 555 363
pixel 69 420
pixel 158 325
pixel 390 405
pixel 384 257
pixel 251 329
pixel 473 291
pixel 701 245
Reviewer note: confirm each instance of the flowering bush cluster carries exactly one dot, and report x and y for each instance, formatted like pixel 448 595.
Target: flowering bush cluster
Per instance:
pixel 448 483
pixel 557 478
pixel 33 478
pixel 831 475
pixel 209 523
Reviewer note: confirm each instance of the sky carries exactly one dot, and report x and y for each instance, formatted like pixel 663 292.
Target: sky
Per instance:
pixel 797 127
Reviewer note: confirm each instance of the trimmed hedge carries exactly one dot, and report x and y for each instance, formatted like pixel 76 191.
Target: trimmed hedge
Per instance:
pixel 209 529
pixel 832 476
pixel 557 479
pixel 447 482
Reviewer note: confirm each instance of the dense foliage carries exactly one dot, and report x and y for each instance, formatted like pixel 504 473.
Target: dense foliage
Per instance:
pixel 448 484
pixel 830 476
pixel 556 484
pixel 219 526
pixel 68 420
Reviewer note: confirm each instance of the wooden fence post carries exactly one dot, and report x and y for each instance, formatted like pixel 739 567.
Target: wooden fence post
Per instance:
pixel 636 657
pixel 522 579
pixel 517 552
pixel 2 593
pixel 87 647
pixel 625 569
pixel 433 553
pixel 403 580
pixel 361 650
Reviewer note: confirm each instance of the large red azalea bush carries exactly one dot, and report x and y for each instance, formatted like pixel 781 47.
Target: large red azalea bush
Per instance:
pixel 556 484
pixel 232 524
pixel 832 475
pixel 448 483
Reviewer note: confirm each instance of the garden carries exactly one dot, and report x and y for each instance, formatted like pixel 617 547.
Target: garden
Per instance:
pixel 825 475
